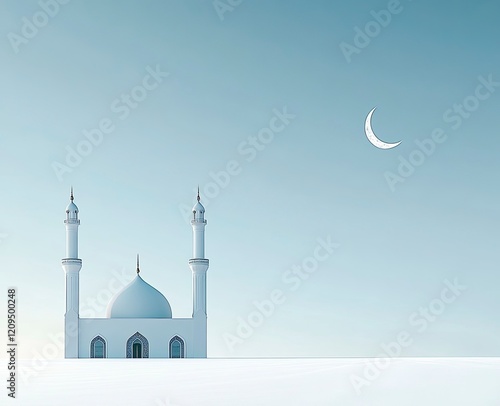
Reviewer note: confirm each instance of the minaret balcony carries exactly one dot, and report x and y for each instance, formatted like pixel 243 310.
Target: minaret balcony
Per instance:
pixel 200 261
pixel 71 261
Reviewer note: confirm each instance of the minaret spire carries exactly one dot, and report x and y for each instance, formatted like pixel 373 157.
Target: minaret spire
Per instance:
pixel 198 197
pixel 71 197
pixel 138 270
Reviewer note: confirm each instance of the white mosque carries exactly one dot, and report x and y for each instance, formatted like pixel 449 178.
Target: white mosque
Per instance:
pixel 138 322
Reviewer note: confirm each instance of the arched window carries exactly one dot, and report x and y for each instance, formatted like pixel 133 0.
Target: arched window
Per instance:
pixel 98 347
pixel 137 346
pixel 176 347
pixel 137 349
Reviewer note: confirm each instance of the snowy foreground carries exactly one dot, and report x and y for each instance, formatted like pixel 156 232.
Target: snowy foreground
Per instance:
pixel 298 381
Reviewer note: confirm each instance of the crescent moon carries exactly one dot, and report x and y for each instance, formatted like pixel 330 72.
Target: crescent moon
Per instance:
pixel 374 140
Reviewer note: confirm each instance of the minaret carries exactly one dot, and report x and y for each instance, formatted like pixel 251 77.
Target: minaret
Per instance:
pixel 199 266
pixel 71 265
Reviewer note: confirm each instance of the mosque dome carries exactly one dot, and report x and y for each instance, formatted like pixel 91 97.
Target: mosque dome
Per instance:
pixel 198 209
pixel 139 300
pixel 71 208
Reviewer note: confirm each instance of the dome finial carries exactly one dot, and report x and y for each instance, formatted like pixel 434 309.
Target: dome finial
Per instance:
pixel 71 194
pixel 138 270
pixel 198 197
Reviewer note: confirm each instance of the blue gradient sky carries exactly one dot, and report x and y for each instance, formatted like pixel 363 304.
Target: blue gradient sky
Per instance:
pixel 318 177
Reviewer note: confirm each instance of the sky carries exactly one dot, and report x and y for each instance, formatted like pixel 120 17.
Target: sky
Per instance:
pixel 320 244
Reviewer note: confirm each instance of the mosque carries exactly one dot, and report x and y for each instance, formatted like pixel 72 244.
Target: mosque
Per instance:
pixel 138 322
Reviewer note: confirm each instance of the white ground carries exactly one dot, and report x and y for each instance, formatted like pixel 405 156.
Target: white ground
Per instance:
pixel 262 382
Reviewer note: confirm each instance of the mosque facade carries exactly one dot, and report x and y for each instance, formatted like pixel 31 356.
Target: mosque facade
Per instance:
pixel 138 322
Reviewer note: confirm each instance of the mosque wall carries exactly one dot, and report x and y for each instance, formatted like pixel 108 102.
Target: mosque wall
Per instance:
pixel 158 332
